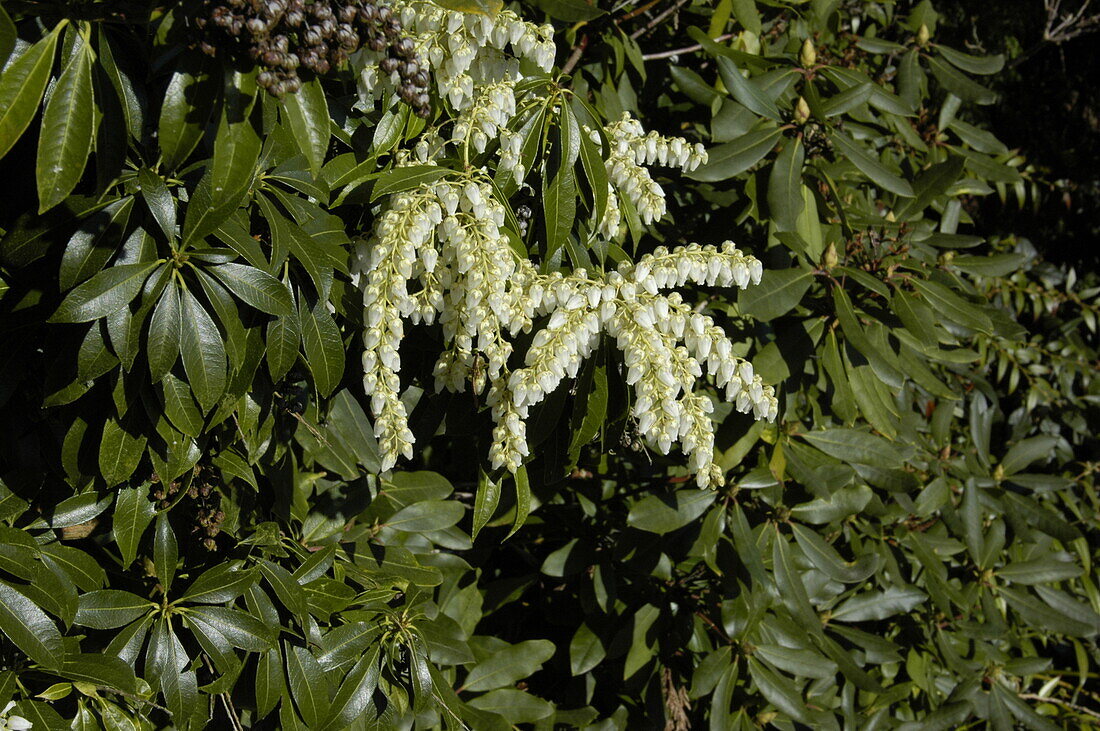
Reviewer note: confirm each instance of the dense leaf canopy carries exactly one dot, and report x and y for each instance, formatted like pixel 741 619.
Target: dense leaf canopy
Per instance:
pixel 391 366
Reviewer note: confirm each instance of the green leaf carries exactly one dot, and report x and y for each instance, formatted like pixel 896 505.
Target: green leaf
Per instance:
pixel 586 651
pixel 779 291
pixel 693 86
pixel 240 629
pixel 21 87
pixel 100 670
pixel 780 692
pixel 95 242
pixel 518 706
pixel 68 128
pixel 847 100
pixel 104 293
pixel 283 337
pixel 523 500
pixel 270 686
pixel 571 11
pixel 745 90
pixel 133 513
pixel 236 149
pixel 800 663
pixel 110 608
pixel 29 628
pixel 288 590
pixel 345 643
pixel 916 315
pixel 120 452
pixel 1027 451
pixel 427 516
pixel 203 352
pixel 993 265
pixel 165 334
pixel 594 410
pixel 222 583
pixel 735 157
pixel 165 551
pixel 828 561
pixel 1044 570
pixel 785 186
pixel 959 84
pixel 188 103
pixel 354 697
pixel 931 184
pixel 951 306
pixel 559 208
pixel 485 502
pixel 160 201
pixel 877 605
pixel 870 165
pixel 858 447
pixel 8 38
pixel 507 665
pixel 665 513
pixel 307 685
pixel 1045 617
pixel 307 113
pixel 406 178
pixel 323 346
pixel 256 287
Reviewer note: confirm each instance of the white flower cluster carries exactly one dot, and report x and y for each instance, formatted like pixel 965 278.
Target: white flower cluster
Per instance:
pixel 631 148
pixel 465 50
pixel 439 253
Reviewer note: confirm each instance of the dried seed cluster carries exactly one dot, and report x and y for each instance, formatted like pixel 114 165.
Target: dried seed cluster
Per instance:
pixel 284 36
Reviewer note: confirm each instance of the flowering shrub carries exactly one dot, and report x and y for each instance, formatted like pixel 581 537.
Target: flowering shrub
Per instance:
pixel 298 289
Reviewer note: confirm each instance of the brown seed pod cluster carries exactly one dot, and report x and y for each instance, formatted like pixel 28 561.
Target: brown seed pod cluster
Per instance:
pixel 208 515
pixel 284 36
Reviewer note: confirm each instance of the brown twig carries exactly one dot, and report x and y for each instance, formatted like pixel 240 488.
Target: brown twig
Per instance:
pixel 1059 701
pixel 575 57
pixel 657 19
pixel 685 49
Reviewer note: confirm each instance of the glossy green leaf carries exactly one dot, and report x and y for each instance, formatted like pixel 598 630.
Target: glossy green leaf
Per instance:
pixel 104 293
pixel 308 115
pixel 746 91
pixel 165 333
pixel 870 165
pixel 323 346
pixel 165 551
pixel 28 628
pixel 68 128
pixel 203 352
pixel 21 87
pixel 133 513
pixel 508 665
pixel 256 287
pixel 779 291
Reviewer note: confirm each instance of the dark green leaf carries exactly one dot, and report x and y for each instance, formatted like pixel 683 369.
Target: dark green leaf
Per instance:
pixel 785 186
pixel 21 87
pixel 110 608
pixel 203 352
pixel 104 293
pixel 68 128
pixel 165 551
pixel 779 291
pixel 323 346
pixel 29 628
pixel 737 156
pixel 256 287
pixel 745 90
pixel 870 165
pixel 307 113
